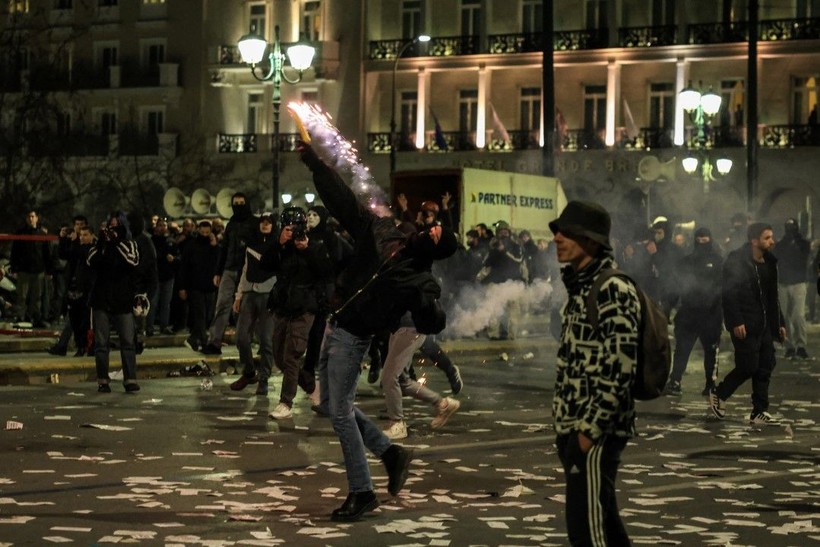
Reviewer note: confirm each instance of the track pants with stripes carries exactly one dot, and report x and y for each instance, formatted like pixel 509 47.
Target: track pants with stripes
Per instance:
pixel 591 508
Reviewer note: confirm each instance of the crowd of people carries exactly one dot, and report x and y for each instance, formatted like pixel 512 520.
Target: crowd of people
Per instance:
pixel 321 289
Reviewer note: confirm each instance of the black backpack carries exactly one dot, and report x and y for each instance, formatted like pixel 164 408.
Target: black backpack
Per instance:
pixel 654 350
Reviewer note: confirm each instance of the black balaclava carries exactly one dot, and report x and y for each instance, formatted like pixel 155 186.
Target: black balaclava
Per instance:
pixel 792 228
pixel 240 212
pixel 703 247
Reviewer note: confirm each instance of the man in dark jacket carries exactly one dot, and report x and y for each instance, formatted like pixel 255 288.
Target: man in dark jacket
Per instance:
pixel 751 313
pixel 303 273
pixel 114 259
pixel 147 281
pixel 793 253
pixel 503 263
pixel 167 262
pixel 383 281
pixel 240 230
pixel 699 316
pixel 80 282
pixel 30 258
pixel 199 265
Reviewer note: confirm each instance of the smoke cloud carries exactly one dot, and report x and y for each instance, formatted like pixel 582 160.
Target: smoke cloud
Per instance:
pixel 477 306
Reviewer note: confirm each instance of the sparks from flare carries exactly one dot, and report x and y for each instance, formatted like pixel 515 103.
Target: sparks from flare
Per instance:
pixel 339 153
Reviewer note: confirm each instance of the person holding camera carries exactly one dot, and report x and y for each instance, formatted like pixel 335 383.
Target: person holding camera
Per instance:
pixel 304 275
pixel 114 258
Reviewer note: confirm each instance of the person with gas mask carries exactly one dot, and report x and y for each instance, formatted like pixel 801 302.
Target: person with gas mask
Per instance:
pixel 240 230
pixel 304 273
pixel 503 263
pixel 340 251
pixel 696 296
pixel 114 259
pixel 793 253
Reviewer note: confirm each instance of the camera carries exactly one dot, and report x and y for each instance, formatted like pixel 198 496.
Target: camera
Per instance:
pixel 298 232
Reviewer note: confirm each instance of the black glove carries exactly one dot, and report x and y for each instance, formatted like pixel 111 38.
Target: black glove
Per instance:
pixel 308 155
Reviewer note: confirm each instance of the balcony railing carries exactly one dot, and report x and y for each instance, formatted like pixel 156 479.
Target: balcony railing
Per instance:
pixel 248 143
pixel 647 36
pixel 789 136
pixel 718 33
pixel 570 40
pixel 447 46
pixel 229 54
pixel 790 29
pixel 388 49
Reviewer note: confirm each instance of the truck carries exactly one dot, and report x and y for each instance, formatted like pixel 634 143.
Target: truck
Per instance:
pixel 526 202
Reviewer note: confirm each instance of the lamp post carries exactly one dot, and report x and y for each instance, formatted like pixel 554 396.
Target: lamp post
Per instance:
pixel 393 139
pixel 702 107
pixel 252 48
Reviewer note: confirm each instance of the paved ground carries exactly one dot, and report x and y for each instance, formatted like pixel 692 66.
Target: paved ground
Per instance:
pixel 179 465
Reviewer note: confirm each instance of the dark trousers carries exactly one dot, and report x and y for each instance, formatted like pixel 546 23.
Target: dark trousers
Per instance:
pixel 124 325
pixel 200 314
pixel 754 358
pixel 314 346
pixel 591 510
pixel 289 343
pixel 80 318
pixel 689 328
pixel 433 351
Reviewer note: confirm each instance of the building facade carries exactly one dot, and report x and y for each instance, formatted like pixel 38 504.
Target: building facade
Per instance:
pixel 159 88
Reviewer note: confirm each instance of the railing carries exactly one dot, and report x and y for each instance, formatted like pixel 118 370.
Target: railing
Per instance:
pixel 229 54
pixel 248 143
pixel 388 49
pixel 718 33
pixel 570 40
pixel 789 136
pixel 647 36
pixel 447 46
pixel 715 136
pixel 790 29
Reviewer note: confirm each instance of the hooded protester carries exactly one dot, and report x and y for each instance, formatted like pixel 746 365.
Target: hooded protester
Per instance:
pixel 665 260
pixel 114 258
pixel 195 283
pixel 697 297
pixel 504 263
pixel 240 230
pixel 793 253
pixel 146 275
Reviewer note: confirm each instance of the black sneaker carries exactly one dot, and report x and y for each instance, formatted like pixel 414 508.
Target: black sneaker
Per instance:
pixel 454 376
pixel 210 349
pixel 191 345
pixel 789 353
pixel 397 462
pixel 716 404
pixel 373 373
pixel 801 354
pixel 356 505
pixel 103 388
pixel 761 418
pixel 707 389
pixel 673 388
pixel 56 350
pixel 131 388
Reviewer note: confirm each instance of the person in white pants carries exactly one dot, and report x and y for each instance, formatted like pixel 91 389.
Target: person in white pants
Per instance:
pixel 396 382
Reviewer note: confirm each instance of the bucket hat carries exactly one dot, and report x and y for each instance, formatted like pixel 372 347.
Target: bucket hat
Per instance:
pixel 584 218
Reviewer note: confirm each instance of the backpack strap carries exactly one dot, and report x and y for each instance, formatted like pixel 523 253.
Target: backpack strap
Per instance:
pixel 592 297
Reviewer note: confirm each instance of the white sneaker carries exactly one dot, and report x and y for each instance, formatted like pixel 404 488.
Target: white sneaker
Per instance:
pixel 281 412
pixel 445 408
pixel 397 430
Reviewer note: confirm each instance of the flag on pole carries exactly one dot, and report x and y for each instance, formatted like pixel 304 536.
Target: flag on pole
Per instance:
pixel 561 128
pixel 498 127
pixel 441 142
pixel 632 130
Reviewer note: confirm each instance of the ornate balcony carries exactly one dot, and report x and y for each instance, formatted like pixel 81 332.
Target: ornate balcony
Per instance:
pixel 447 46
pixel 248 143
pixel 789 136
pixel 718 33
pixel 570 40
pixel 388 49
pixel 790 29
pixel 647 36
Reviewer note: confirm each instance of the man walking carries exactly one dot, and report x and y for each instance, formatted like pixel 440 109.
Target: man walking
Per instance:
pixel 751 312
pixel 30 260
pixel 593 407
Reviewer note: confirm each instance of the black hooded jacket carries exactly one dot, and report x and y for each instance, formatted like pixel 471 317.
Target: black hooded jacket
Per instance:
pixel 387 275
pixel 793 253
pixel 698 282
pixel 748 298
pixel 238 233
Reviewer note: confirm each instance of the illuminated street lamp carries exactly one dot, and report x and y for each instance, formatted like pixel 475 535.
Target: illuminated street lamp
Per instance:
pixel 702 107
pixel 393 139
pixel 252 48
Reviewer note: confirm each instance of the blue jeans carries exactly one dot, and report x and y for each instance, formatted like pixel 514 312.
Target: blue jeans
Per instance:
pixel 161 305
pixel 254 318
pixel 339 370
pixel 124 324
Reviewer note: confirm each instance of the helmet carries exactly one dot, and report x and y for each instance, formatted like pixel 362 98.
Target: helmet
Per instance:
pixel 502 225
pixel 430 206
pixel 292 215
